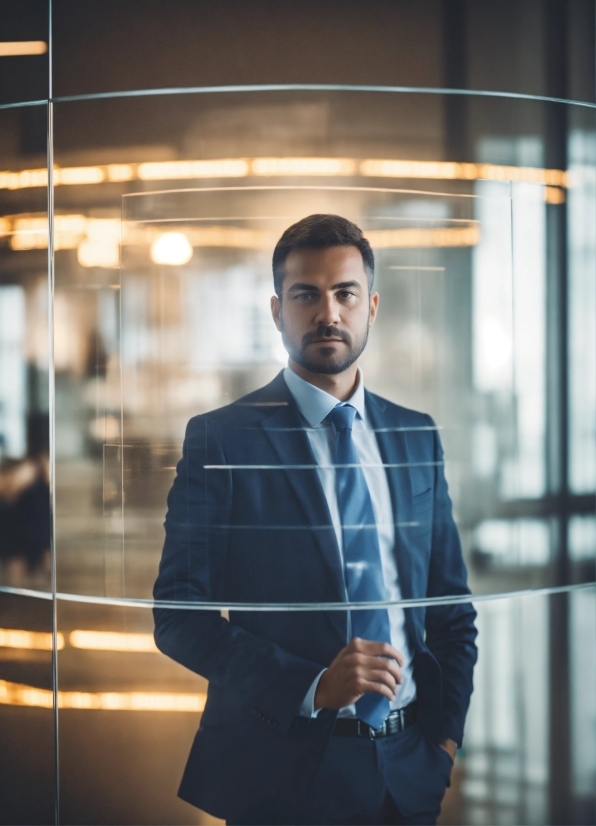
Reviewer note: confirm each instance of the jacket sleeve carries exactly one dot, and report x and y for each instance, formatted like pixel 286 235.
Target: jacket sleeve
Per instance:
pixel 255 675
pixel 450 629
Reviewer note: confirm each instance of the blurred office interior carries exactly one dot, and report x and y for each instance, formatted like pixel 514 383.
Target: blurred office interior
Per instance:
pixel 151 154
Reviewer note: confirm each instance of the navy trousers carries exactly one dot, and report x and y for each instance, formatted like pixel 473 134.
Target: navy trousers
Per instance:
pixel 399 779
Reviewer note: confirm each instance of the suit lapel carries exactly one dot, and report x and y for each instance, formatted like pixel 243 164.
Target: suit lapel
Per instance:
pixel 283 428
pixel 393 449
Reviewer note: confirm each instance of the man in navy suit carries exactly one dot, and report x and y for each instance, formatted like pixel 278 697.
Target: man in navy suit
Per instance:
pixel 314 491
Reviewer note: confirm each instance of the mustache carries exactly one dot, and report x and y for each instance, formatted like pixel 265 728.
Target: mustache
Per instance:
pixel 323 332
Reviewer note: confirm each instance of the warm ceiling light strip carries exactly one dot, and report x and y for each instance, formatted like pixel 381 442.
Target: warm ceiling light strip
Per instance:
pixel 19 48
pixel 35 640
pixel 303 166
pixel 16 694
pixel 419 169
pixel 173 170
pixel 90 640
pixel 289 167
pixel 112 641
pixel 76 175
pixel 447 170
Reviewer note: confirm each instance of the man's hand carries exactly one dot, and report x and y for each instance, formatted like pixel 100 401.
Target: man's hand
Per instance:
pixel 450 747
pixel 359 668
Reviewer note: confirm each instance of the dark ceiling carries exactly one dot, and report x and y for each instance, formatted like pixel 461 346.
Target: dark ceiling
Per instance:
pixel 530 46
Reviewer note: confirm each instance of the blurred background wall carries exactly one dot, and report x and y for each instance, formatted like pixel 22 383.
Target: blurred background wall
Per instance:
pixel 150 305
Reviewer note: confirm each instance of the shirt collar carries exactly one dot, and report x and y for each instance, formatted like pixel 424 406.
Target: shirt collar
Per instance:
pixel 315 404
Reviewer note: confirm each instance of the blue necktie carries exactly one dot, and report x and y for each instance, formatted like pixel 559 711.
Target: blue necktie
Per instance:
pixel 362 557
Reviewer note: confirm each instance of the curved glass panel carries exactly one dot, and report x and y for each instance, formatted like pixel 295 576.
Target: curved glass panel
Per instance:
pixel 469 329
pixel 165 210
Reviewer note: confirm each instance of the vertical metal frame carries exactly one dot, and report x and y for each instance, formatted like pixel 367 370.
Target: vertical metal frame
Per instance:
pixel 52 418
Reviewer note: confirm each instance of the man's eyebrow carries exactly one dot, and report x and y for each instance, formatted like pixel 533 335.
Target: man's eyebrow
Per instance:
pixel 300 286
pixel 343 285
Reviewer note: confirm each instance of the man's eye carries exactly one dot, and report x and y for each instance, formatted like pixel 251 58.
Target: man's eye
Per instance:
pixel 304 296
pixel 346 294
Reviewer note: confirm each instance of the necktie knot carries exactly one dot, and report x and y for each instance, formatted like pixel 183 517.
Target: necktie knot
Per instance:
pixel 342 417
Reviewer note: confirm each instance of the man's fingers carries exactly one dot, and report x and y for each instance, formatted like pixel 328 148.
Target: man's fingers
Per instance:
pixel 376 649
pixel 385 678
pixel 370 687
pixel 378 664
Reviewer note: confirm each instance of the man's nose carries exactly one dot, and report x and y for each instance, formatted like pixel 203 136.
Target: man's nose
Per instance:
pixel 328 311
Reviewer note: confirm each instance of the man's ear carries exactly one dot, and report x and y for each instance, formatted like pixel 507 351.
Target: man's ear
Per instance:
pixel 374 307
pixel 276 311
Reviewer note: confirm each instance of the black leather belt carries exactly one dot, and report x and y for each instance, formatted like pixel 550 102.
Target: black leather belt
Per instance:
pixel 397 721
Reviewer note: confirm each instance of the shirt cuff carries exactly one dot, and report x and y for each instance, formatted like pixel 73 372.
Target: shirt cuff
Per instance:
pixel 307 709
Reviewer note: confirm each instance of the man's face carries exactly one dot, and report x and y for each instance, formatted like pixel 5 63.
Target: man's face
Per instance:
pixel 325 311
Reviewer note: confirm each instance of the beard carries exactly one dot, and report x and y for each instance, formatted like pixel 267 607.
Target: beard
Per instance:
pixel 325 360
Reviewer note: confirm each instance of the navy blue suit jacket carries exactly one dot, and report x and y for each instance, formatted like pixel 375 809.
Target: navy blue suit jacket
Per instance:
pixel 248 522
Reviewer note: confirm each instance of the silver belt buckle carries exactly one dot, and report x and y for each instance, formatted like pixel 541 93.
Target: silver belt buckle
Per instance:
pixel 379 732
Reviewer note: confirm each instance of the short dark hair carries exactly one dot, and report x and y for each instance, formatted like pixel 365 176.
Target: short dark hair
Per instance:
pixel 320 232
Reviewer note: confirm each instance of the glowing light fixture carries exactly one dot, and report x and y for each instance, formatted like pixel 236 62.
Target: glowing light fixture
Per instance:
pixel 101 248
pixel 19 48
pixel 554 195
pixel 120 172
pixel 303 166
pixel 417 169
pixel 172 248
pixel 35 640
pixel 24 179
pixel 112 641
pixel 16 694
pixel 171 170
pixel 31 231
pixel 241 167
pixel 79 175
pixel 95 253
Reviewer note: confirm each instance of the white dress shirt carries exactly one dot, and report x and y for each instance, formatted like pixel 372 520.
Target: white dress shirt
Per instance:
pixel 314 406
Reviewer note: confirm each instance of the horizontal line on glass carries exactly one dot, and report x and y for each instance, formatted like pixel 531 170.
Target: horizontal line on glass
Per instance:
pixel 23 103
pixel 282 218
pixel 313 87
pixel 370 429
pixel 318 467
pixel 294 606
pixel 414 267
pixel 313 188
pixel 373 526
